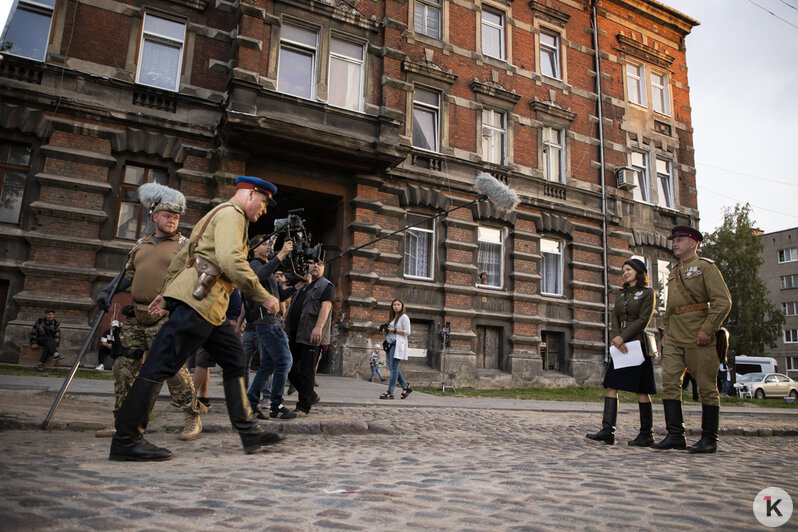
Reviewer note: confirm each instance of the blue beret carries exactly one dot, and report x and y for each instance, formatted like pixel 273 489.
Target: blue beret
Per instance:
pixel 259 185
pixel 686 230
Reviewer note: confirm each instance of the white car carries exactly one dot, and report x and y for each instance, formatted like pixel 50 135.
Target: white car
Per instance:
pixel 762 385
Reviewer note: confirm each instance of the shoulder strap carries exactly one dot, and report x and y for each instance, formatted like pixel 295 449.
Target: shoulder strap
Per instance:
pixel 682 288
pixel 193 243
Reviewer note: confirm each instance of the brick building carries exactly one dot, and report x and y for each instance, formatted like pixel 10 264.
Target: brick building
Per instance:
pixel 779 270
pixel 371 115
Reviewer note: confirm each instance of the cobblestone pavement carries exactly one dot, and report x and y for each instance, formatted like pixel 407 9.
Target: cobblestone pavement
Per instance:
pixel 409 468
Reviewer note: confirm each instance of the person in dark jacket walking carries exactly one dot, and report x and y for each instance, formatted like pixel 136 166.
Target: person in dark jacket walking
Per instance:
pixel 46 332
pixel 634 307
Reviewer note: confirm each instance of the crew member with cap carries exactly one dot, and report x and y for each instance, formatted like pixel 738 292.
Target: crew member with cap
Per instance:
pixel 196 291
pixel 698 302
pixel 634 307
pixel 110 344
pixel 145 270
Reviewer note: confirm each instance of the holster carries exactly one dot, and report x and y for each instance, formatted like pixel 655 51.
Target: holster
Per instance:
pixel 208 275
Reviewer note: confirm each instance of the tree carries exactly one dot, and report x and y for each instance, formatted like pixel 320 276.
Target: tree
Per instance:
pixel 735 246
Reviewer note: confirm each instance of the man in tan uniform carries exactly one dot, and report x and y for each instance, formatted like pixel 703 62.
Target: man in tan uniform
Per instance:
pixel 196 294
pixel 145 270
pixel 698 302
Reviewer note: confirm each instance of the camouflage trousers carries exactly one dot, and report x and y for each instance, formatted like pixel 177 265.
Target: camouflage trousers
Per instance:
pixel 138 337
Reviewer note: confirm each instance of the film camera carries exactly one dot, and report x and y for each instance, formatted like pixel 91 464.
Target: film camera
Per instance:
pixel 293 228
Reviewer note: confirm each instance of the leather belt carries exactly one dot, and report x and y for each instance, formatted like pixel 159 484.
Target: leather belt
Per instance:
pixel 691 308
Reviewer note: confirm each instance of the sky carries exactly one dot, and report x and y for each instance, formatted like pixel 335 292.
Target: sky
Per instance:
pixel 743 74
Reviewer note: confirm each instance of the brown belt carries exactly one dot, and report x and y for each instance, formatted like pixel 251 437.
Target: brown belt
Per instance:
pixel 690 308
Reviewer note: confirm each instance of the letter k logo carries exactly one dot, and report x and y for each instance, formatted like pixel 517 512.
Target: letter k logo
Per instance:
pixel 772 506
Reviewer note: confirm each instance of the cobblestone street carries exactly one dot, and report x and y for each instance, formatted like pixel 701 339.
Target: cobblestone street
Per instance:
pixel 408 468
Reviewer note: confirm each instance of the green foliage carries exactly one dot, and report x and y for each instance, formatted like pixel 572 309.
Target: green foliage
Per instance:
pixel 754 321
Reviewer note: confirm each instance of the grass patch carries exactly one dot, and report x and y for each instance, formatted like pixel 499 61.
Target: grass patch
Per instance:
pixel 591 394
pixel 60 372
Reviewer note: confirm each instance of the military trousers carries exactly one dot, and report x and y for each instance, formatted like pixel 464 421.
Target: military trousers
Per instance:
pixel 138 337
pixel 701 360
pixel 182 334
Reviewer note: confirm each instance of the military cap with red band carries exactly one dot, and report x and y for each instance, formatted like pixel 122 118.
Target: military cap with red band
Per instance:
pixel 689 232
pixel 258 185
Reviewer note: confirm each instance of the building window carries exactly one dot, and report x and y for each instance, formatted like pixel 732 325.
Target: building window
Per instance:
pixel 788 281
pixel 660 96
pixel 29 30
pixel 493 34
pixel 134 221
pixel 635 83
pixel 792 363
pixel 14 166
pixel 297 62
pixel 494 135
pixel 346 74
pixel 490 258
pixel 427 18
pixel 426 118
pixel 788 255
pixel 664 183
pixel 639 163
pixel 550 55
pixel 161 53
pixel 553 154
pixel 790 308
pixel 663 269
pixel 419 247
pixel 791 336
pixel 551 271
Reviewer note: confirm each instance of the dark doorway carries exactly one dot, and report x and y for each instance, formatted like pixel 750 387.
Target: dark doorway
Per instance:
pixel 489 348
pixel 552 350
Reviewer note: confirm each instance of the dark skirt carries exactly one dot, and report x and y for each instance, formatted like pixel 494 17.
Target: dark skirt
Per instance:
pixel 636 379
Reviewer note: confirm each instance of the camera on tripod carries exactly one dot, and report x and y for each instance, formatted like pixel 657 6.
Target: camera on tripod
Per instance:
pixel 293 228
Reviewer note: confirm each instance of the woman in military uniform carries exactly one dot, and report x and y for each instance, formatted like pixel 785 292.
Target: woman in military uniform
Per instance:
pixel 634 307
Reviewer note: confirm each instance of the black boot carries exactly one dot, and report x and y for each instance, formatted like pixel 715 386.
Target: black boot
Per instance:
pixel 709 430
pixel 253 436
pixel 128 443
pixel 607 432
pixel 674 422
pixel 646 436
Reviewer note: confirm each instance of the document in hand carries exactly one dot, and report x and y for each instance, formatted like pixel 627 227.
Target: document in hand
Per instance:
pixel 633 358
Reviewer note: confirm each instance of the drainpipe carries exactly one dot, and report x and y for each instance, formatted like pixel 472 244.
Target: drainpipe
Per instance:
pixel 593 5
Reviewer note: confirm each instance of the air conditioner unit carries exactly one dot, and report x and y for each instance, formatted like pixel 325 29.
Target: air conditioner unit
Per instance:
pixel 625 177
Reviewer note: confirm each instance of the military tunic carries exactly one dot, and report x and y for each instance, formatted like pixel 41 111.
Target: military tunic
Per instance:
pixel 684 319
pixel 634 307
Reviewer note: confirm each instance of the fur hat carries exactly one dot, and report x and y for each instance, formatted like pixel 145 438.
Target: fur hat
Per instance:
pixel 161 198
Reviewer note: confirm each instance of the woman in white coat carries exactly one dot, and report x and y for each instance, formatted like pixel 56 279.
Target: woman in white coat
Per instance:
pixel 396 348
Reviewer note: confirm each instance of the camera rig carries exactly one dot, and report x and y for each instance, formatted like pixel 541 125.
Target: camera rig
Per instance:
pixel 293 228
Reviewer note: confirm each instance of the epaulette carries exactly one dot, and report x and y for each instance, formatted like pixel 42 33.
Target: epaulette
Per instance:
pixel 708 260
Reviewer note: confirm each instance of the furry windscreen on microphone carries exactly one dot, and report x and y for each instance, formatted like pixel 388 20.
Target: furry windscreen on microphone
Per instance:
pixel 161 198
pixel 497 192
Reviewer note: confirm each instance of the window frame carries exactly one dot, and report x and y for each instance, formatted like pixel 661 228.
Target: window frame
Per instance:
pixel 785 280
pixel 662 282
pixel 502 132
pixel 423 106
pixel 790 336
pixel 642 173
pixel 554 51
pixel 429 5
pixel 502 247
pixel 362 68
pixel 124 188
pixel 39 8
pixel 162 40
pixel 6 166
pixel 640 81
pixel 548 146
pixel 502 28
pixel 301 49
pixel 431 234
pixel 783 257
pixel 660 92
pixel 790 308
pixel 560 267
pixel 663 177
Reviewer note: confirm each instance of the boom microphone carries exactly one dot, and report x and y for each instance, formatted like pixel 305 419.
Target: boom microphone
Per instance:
pixel 497 192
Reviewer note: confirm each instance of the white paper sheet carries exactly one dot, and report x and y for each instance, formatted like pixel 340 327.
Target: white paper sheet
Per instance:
pixel 633 358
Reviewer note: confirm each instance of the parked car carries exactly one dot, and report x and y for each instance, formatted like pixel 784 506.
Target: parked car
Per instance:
pixel 762 385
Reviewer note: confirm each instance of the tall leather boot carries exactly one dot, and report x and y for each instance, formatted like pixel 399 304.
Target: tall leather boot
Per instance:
pixel 253 436
pixel 674 422
pixel 646 435
pixel 607 432
pixel 128 444
pixel 710 418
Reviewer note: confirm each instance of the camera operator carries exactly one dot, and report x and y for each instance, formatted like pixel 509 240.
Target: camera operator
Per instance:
pixel 308 326
pixel 275 354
